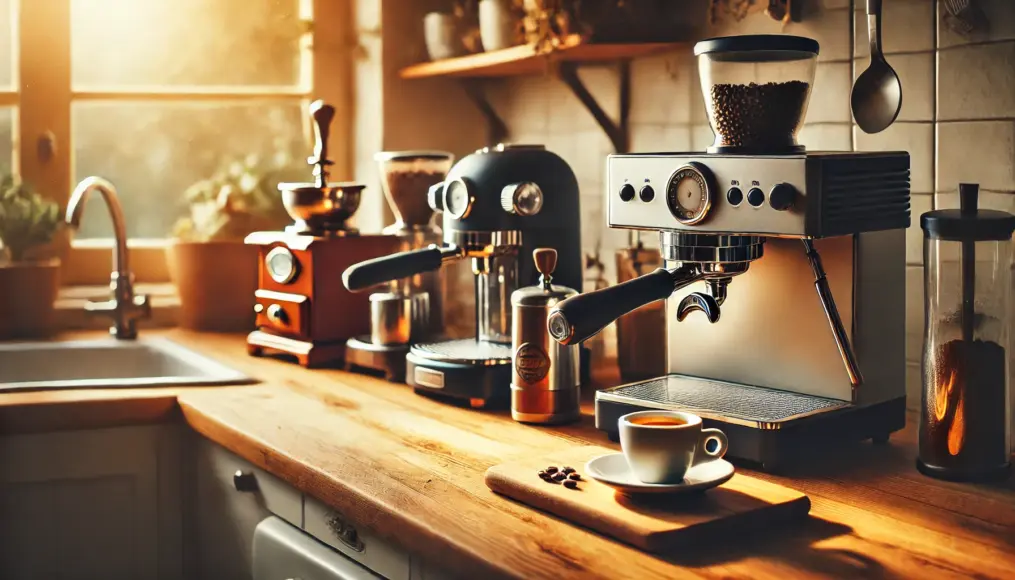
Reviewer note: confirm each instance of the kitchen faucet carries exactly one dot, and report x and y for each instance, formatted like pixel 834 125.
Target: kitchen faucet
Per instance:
pixel 124 307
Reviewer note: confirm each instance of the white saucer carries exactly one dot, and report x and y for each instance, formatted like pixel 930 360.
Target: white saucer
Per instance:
pixel 613 470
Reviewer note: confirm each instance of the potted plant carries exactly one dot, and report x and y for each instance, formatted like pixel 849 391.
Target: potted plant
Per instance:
pixel 215 273
pixel 28 283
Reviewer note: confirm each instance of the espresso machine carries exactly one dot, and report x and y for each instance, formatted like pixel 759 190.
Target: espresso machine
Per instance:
pixel 498 204
pixel 302 308
pixel 783 269
pixel 410 309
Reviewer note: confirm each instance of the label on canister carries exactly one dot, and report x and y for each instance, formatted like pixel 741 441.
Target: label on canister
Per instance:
pixel 531 362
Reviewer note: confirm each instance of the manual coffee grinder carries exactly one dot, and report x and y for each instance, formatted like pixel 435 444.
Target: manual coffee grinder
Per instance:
pixel 302 307
pixel 802 259
pixel 498 204
pixel 411 309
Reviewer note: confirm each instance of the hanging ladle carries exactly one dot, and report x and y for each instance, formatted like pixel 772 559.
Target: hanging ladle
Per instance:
pixel 877 93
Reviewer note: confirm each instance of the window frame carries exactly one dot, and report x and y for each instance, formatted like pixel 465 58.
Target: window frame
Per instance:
pixel 43 95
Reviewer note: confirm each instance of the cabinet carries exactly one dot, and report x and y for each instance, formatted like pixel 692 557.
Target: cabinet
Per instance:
pixel 92 504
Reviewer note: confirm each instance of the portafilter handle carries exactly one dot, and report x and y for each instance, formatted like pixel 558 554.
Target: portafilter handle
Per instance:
pixel 370 273
pixel 581 317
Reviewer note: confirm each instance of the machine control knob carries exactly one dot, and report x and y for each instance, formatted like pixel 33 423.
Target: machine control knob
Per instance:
pixel 524 199
pixel 735 196
pixel 755 197
pixel 245 481
pixel 647 193
pixel 277 314
pixel 627 192
pixel 782 196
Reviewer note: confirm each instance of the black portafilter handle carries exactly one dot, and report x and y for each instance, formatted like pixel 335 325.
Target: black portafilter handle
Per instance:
pixel 370 273
pixel 581 317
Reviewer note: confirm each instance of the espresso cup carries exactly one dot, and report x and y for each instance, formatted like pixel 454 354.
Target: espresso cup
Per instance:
pixel 660 446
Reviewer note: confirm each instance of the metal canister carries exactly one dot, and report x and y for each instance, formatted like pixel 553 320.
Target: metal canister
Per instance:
pixel 397 318
pixel 545 379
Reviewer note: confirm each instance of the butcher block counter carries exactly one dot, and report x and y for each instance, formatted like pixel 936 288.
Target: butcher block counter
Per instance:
pixel 411 470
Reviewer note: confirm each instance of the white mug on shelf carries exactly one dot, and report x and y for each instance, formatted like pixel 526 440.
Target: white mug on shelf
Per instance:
pixel 440 32
pixel 496 24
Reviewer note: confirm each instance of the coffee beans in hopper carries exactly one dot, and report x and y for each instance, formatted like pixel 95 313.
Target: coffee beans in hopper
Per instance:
pixel 758 116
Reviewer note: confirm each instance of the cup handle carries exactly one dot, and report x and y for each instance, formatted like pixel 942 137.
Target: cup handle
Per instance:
pixel 710 435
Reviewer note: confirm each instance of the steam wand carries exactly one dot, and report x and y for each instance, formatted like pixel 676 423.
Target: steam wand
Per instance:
pixel 828 303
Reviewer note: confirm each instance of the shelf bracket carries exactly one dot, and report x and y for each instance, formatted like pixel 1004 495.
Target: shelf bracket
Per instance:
pixel 496 130
pixel 617 132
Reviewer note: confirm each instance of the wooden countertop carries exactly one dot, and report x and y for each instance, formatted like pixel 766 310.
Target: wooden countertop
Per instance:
pixel 411 469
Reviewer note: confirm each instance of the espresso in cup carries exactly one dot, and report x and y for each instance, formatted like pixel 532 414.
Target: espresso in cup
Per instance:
pixel 660 446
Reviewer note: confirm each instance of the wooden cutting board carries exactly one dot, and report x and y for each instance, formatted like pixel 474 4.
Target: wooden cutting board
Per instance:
pixel 654 523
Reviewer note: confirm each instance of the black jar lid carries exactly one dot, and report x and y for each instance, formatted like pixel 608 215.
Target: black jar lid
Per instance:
pixel 757 42
pixel 968 223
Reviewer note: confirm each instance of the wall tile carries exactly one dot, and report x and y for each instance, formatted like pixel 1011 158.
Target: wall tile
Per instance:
pixel 914 386
pixel 701 137
pixel 648 137
pixel 829 27
pixel 528 109
pixel 917 138
pixel 976 82
pixel 827 136
pixel 830 96
pixel 677 138
pixel 661 88
pixel 1000 15
pixel 920 204
pixel 986 200
pixel 914 313
pixel 979 152
pixel 906 26
pixel 916 73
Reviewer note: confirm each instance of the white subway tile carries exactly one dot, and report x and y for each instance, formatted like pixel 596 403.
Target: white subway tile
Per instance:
pixel 914 313
pixel 829 27
pixel 661 88
pixel 1000 18
pixel 920 203
pixel 829 101
pixel 677 138
pixel 916 138
pixel 701 137
pixel 906 26
pixel 827 137
pixel 985 200
pixel 645 138
pixel 978 152
pixel 528 108
pixel 976 82
pixel 914 386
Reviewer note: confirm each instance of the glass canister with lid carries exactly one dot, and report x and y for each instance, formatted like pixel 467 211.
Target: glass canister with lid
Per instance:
pixel 965 406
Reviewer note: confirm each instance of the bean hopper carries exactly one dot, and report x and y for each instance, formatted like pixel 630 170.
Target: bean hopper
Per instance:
pixel 302 308
pixel 783 269
pixel 498 204
pixel 410 309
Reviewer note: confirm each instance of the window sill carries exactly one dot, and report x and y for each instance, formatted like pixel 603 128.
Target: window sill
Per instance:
pixel 71 315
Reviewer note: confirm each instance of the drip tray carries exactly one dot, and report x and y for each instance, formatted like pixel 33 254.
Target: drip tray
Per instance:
pixel 720 400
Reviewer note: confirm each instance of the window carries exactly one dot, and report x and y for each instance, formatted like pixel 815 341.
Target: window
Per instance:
pixel 155 95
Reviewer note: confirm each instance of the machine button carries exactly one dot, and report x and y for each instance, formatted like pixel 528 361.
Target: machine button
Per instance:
pixel 647 193
pixel 755 197
pixel 735 196
pixel 627 192
pixel 782 196
pixel 277 315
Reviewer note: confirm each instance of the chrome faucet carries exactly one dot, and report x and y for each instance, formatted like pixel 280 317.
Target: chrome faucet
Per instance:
pixel 124 307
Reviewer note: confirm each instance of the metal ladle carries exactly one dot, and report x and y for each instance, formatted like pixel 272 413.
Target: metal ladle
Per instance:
pixel 877 94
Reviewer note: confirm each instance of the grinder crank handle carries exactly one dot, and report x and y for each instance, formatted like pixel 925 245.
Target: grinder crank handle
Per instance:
pixel 369 273
pixel 581 317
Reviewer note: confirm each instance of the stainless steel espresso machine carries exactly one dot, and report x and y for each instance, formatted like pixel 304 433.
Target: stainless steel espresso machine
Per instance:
pixel 796 334
pixel 498 205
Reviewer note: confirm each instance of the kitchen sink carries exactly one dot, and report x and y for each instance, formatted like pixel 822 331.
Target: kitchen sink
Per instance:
pixel 108 363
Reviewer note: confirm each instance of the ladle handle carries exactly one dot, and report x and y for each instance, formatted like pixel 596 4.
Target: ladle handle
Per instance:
pixel 370 273
pixel 874 27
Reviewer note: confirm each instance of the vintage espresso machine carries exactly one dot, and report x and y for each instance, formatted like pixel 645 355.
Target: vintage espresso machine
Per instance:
pixel 302 307
pixel 498 205
pixel 784 269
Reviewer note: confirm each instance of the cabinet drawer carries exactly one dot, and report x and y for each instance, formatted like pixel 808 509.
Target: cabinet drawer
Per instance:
pixel 328 526
pixel 284 313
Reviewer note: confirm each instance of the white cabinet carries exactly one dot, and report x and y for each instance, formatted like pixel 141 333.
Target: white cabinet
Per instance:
pixel 92 504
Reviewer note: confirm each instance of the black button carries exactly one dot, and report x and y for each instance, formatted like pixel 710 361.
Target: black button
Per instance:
pixel 782 196
pixel 647 193
pixel 735 196
pixel 627 192
pixel 755 197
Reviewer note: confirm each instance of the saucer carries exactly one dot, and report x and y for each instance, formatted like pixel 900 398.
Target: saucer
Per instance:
pixel 613 470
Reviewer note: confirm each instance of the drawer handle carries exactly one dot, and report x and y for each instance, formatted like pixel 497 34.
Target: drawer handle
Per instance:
pixel 245 481
pixel 345 532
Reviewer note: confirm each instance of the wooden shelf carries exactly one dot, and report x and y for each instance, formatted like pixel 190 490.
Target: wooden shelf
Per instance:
pixel 525 60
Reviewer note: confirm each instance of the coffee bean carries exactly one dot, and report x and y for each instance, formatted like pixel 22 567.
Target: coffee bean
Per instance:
pixel 559 476
pixel 757 116
pixel 551 469
pixel 549 479
pixel 543 474
pixel 571 484
pixel 568 470
pixel 574 476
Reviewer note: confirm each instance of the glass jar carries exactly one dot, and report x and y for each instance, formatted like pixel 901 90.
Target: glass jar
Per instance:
pixel 756 89
pixel 965 406
pixel 406 178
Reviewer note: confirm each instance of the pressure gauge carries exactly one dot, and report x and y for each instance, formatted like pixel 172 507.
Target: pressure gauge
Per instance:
pixel 689 193
pixel 281 265
pixel 457 199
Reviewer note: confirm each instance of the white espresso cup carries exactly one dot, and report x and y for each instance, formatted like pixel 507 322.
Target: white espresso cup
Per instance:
pixel 660 446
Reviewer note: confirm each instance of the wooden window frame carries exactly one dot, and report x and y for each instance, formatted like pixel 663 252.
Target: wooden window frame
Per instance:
pixel 43 94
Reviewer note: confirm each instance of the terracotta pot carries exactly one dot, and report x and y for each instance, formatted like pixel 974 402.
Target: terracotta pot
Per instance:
pixel 27 298
pixel 216 283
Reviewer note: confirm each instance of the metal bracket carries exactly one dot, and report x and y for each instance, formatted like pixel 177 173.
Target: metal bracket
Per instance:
pixel 496 130
pixel 618 132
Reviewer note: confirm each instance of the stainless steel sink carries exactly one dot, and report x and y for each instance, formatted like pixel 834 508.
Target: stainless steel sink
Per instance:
pixel 108 363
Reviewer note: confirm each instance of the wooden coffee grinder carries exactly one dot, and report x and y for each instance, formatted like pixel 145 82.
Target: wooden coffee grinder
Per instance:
pixel 302 307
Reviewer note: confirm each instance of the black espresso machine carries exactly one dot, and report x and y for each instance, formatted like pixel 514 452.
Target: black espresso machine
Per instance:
pixel 499 204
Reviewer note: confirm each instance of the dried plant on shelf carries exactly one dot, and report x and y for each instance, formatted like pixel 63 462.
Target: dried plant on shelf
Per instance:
pixel 27 220
pixel 466 12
